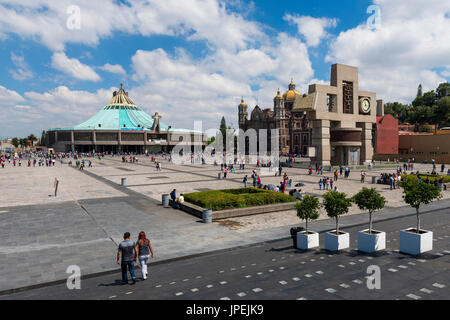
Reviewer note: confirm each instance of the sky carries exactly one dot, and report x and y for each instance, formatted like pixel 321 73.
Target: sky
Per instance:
pixel 192 60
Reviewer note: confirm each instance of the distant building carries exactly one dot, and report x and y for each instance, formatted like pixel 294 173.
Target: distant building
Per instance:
pixel 121 126
pixel 425 146
pixel 294 136
pixel 332 124
pixel 341 118
pixel 6 145
pixel 386 136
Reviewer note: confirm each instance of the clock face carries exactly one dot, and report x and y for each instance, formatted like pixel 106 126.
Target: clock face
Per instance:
pixel 365 105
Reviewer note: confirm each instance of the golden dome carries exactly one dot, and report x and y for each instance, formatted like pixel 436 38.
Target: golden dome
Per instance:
pixel 291 93
pixel 242 102
pixel 278 94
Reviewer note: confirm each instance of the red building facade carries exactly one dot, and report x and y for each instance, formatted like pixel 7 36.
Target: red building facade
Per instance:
pixel 386 135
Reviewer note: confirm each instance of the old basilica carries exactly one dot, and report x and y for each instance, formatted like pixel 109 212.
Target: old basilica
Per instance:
pixel 293 126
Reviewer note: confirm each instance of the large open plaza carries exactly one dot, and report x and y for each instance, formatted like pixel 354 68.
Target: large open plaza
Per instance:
pixel 43 234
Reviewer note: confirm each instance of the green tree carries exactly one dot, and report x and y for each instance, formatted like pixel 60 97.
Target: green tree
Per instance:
pixel 211 140
pixel 32 138
pixel 223 131
pixel 442 111
pixel 370 200
pixel 42 142
pixel 420 115
pixel 416 193
pixel 15 142
pixel 336 204
pixel 308 209
pixel 397 109
pixel 428 99
pixel 23 142
pixel 443 90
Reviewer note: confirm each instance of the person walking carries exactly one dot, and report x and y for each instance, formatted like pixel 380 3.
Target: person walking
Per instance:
pixel 126 255
pixel 320 184
pixel 340 170
pixel 144 248
pixel 245 181
pixel 173 196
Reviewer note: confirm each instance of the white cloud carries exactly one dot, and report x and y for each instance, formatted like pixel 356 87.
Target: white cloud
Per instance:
pixel 410 43
pixel 73 67
pixel 46 20
pixel 312 29
pixel 113 68
pixel 22 72
pixel 9 97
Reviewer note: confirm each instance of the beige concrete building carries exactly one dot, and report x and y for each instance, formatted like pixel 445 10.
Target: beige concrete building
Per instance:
pixel 341 118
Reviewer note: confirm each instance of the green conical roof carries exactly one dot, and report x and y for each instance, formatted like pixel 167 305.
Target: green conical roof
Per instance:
pixel 121 114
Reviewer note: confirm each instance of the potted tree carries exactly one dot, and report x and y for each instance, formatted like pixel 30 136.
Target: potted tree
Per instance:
pixel 415 193
pixel 336 204
pixel 307 209
pixel 370 240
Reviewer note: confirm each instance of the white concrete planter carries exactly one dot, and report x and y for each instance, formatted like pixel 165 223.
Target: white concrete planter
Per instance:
pixel 415 243
pixel 335 242
pixel 307 241
pixel 371 242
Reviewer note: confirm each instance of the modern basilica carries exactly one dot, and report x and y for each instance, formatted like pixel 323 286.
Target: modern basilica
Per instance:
pixel 122 126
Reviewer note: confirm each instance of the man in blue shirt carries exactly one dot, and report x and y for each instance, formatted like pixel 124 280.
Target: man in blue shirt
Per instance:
pixel 128 253
pixel 173 196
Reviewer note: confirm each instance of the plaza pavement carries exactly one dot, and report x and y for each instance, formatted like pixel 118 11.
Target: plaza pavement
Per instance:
pixel 42 235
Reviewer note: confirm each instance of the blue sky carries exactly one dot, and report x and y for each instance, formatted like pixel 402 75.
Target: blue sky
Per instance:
pixel 193 59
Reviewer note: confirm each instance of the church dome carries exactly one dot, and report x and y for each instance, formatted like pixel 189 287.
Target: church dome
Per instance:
pixel 291 93
pixel 278 96
pixel 242 104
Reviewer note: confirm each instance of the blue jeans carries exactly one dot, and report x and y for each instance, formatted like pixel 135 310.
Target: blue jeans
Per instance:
pixel 130 266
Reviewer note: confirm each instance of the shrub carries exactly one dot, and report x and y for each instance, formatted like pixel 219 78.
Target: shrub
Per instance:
pixel 424 176
pixel 236 198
